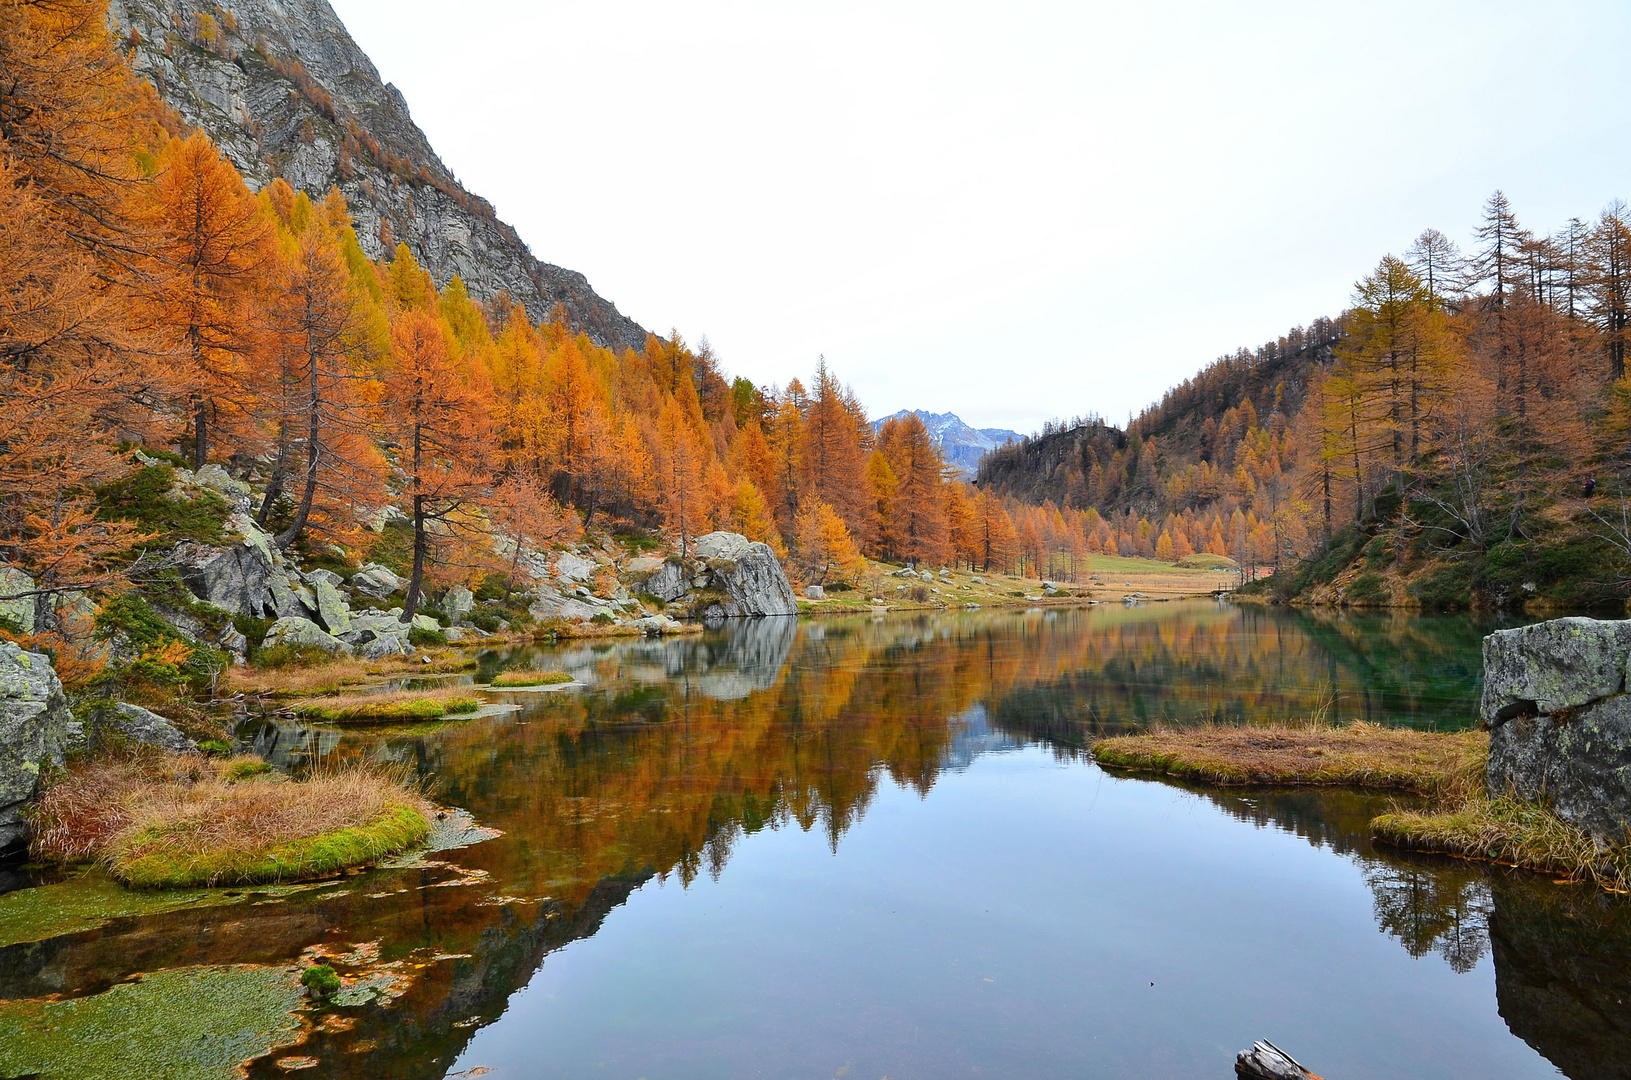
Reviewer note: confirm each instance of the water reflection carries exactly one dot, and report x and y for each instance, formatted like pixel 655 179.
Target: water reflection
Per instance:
pixel 676 751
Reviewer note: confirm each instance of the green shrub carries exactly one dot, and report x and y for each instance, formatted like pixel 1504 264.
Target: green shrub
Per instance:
pixel 485 620
pixel 422 637
pixel 153 642
pixel 253 630
pixel 1451 585
pixel 215 747
pixel 143 497
pixel 320 980
pixel 603 618
pixel 1367 589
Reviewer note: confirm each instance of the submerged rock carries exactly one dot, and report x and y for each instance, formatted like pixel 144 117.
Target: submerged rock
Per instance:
pixel 34 721
pixel 1560 721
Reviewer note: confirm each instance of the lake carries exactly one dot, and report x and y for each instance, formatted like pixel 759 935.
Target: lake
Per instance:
pixel 873 847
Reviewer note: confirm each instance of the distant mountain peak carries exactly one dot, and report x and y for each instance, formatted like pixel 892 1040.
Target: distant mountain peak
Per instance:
pixel 962 445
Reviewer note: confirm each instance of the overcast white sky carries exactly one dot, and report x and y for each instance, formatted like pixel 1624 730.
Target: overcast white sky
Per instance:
pixel 1009 211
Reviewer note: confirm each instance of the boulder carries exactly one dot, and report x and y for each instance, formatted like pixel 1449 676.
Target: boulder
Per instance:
pixel 1553 665
pixel 815 592
pixel 645 564
pixel 314 576
pixel 287 598
pixel 332 610
pixel 232 577
pixel 573 567
pixel 23 609
pixel 34 721
pixel 1560 721
pixel 668 583
pixel 375 634
pixel 748 573
pixel 553 604
pixel 302 632
pixel 376 581
pixel 458 603
pixel 140 725
pixel 927 575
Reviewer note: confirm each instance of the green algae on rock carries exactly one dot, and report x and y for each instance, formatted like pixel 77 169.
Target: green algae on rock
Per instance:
pixel 197 1023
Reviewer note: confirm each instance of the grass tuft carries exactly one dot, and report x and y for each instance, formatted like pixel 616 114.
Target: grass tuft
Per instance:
pixel 1447 769
pixel 530 678
pixel 170 821
pixel 400 705
pixel 1361 754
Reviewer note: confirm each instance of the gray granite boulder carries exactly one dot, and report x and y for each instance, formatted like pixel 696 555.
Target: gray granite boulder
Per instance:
pixel 459 603
pixel 1560 721
pixel 376 581
pixel 573 567
pixel 303 632
pixel 749 573
pixel 223 483
pixel 141 725
pixel 375 634
pixel 288 598
pixel 1553 665
pixel 34 721
pixel 332 610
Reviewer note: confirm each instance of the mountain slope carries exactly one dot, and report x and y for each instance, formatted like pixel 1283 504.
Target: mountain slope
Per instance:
pixel 284 91
pixel 961 445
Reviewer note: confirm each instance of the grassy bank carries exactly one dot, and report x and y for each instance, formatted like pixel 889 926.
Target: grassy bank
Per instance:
pixel 1447 770
pixel 433 704
pixel 171 821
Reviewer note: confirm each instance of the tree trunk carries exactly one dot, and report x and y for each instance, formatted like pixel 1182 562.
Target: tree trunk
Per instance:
pixel 292 533
pixel 201 442
pixel 410 603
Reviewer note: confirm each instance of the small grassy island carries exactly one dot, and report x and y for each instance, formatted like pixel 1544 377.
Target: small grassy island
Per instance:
pixel 156 820
pixel 522 680
pixel 1444 771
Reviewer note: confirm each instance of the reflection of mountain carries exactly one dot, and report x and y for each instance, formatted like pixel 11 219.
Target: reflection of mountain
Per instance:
pixel 971 737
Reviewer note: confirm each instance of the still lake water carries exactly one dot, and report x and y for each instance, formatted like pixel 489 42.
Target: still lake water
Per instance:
pixel 868 848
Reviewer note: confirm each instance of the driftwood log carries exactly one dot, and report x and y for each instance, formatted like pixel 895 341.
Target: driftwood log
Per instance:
pixel 1265 1061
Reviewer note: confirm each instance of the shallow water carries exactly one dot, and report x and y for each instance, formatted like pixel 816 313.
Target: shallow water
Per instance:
pixel 873 847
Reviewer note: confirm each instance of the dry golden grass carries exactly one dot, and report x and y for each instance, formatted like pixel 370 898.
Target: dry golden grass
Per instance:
pixel 431 704
pixel 1447 766
pixel 342 671
pixel 169 820
pixel 530 678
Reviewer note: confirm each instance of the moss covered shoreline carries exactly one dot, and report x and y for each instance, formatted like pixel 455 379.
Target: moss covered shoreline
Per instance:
pixel 1446 770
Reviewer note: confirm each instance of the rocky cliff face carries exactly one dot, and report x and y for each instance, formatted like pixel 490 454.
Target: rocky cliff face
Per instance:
pixel 282 88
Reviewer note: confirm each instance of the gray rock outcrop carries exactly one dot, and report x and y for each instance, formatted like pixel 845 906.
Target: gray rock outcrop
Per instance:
pixel 730 577
pixel 34 721
pixel 302 632
pixel 749 573
pixel 376 581
pixel 1560 721
pixel 143 726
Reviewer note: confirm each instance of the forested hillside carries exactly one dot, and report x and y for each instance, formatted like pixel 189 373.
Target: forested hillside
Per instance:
pixel 1463 425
